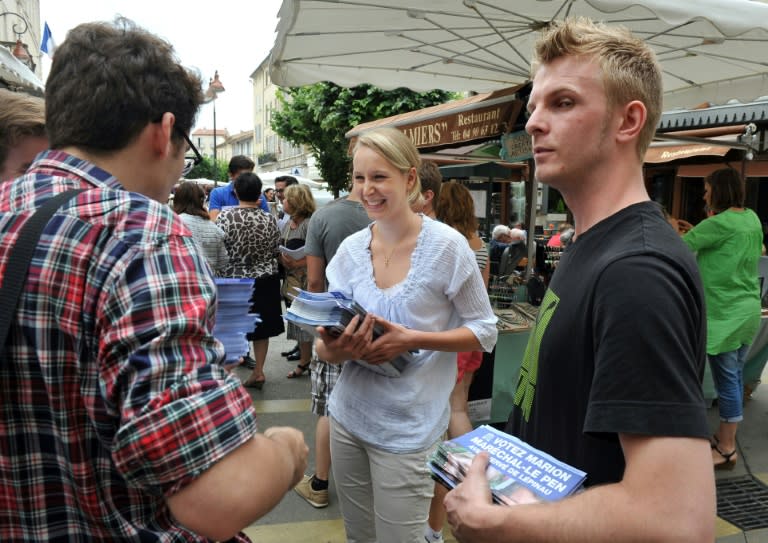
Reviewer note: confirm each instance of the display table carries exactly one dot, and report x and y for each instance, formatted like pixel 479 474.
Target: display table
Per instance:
pixel 510 349
pixel 493 388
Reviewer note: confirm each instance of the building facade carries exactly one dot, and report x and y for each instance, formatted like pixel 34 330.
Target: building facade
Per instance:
pixel 20 37
pixel 237 144
pixel 203 140
pixel 273 152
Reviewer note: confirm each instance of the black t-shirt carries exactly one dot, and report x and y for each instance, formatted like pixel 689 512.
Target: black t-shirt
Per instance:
pixel 619 346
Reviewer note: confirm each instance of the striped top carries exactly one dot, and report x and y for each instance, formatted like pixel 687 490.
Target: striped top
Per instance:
pixel 481 256
pixel 210 238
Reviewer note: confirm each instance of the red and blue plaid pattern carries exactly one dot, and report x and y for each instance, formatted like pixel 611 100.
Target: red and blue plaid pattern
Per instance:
pixel 111 391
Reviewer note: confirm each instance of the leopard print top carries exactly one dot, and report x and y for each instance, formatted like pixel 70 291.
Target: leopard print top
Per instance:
pixel 252 239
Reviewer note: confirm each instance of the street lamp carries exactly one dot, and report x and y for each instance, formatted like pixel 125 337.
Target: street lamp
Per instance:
pixel 20 50
pixel 214 88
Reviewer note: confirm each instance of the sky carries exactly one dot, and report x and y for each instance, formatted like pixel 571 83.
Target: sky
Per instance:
pixel 231 36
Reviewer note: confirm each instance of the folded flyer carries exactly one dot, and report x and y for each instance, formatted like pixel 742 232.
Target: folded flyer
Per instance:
pixel 296 254
pixel 333 311
pixel 517 473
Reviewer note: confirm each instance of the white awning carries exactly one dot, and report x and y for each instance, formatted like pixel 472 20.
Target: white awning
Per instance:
pixel 17 76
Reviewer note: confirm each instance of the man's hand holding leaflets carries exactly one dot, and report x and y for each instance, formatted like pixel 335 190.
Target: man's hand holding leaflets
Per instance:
pixel 493 466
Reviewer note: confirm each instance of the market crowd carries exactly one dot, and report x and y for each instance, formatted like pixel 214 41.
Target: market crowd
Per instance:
pixel 122 423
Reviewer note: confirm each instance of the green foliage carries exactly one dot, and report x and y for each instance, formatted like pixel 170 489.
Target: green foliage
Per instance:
pixel 265 158
pixel 319 115
pixel 205 170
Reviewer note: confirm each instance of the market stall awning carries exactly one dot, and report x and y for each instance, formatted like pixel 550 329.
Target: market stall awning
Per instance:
pixel 16 76
pixel 491 170
pixel 479 117
pixel 668 153
pixel 710 50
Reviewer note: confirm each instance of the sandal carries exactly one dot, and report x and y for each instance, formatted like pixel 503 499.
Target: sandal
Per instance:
pixel 300 371
pixel 258 384
pixel 714 441
pixel 730 461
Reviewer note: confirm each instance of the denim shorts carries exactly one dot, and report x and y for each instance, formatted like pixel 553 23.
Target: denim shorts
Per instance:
pixel 728 376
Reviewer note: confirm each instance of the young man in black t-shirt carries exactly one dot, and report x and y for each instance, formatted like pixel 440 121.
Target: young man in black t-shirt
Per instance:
pixel 611 377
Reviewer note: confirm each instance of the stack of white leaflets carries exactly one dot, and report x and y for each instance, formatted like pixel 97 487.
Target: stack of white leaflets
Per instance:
pixel 233 320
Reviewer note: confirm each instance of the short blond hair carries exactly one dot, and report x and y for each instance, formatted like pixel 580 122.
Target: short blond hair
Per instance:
pixel 21 116
pixel 398 150
pixel 301 200
pixel 630 70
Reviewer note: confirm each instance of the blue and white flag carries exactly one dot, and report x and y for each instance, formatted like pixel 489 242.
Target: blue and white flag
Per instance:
pixel 47 46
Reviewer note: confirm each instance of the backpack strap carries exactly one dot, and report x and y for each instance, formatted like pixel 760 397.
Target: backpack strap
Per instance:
pixel 20 257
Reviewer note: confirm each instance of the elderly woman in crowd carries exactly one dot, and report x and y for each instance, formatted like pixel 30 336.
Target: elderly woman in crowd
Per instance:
pixel 299 203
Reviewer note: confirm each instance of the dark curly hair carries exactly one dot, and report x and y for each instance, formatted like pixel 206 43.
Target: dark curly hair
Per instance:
pixel 109 80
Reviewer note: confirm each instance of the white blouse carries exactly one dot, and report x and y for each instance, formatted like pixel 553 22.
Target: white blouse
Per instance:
pixel 442 291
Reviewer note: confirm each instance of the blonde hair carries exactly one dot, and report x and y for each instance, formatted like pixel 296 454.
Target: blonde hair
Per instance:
pixel 398 150
pixel 21 116
pixel 301 201
pixel 630 70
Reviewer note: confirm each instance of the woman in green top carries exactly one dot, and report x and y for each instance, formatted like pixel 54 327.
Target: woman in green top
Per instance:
pixel 728 246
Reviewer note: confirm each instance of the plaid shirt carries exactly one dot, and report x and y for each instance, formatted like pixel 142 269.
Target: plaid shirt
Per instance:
pixel 112 393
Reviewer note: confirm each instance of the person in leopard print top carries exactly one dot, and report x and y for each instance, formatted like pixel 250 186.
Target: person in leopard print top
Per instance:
pixel 252 238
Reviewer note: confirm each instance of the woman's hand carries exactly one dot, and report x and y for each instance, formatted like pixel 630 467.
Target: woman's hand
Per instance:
pixel 394 340
pixel 683 226
pixel 351 344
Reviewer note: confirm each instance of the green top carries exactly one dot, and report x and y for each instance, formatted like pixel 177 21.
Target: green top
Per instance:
pixel 728 247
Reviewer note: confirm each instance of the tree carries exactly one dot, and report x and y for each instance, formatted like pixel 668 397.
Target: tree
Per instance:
pixel 319 115
pixel 205 170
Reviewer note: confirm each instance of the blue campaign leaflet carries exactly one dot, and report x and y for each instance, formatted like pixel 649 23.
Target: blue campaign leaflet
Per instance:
pixel 517 473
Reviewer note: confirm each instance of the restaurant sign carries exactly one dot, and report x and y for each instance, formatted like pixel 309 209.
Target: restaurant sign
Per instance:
pixel 516 146
pixel 455 128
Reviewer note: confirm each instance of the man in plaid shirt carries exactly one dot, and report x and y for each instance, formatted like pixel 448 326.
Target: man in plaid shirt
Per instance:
pixel 118 421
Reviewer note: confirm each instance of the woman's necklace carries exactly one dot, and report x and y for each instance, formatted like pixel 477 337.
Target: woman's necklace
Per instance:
pixel 388 258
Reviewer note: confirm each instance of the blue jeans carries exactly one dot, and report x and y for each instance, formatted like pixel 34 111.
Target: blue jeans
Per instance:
pixel 728 376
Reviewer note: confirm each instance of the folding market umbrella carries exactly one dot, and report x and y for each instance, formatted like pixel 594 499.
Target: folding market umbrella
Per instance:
pixel 710 50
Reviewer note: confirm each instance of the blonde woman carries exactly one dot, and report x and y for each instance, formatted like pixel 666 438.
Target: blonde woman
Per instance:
pixel 299 203
pixel 419 282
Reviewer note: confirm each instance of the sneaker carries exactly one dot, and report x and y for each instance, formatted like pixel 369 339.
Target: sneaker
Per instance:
pixel 315 498
pixel 430 536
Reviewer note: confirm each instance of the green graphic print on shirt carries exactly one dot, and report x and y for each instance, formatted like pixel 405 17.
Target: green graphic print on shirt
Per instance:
pixel 526 383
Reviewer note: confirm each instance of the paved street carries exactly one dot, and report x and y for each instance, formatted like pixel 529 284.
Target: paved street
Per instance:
pixel 286 402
